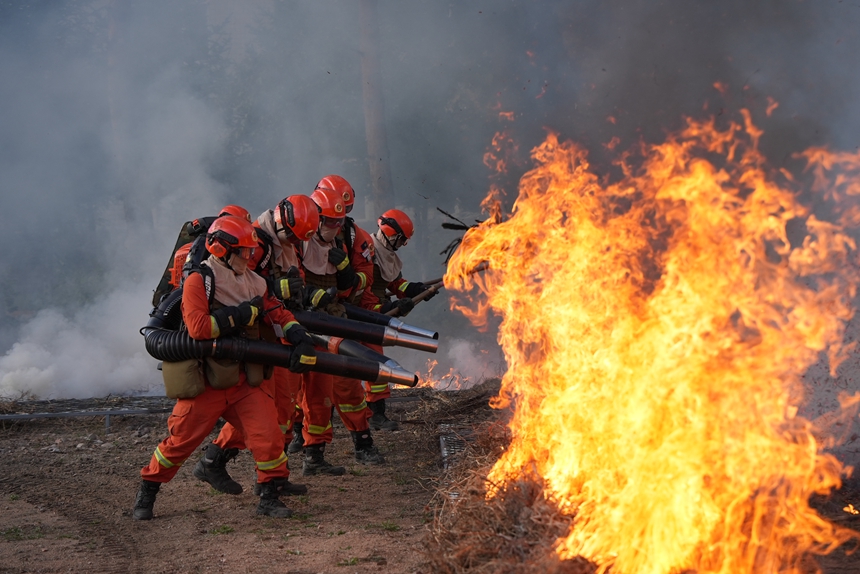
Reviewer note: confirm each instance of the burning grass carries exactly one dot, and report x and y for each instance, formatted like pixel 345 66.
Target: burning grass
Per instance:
pixel 656 330
pixel 512 530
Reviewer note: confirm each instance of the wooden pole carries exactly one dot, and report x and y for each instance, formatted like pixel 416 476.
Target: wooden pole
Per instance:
pixel 382 197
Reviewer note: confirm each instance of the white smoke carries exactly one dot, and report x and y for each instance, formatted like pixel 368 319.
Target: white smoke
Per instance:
pixel 94 352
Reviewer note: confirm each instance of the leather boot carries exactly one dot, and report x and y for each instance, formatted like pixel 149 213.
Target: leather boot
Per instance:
pixel 378 421
pixel 284 487
pixel 365 452
pixel 212 468
pixel 270 505
pixel 145 500
pixel 298 442
pixel 315 462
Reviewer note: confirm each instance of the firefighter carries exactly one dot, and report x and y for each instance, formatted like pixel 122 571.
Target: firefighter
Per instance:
pixel 343 261
pixel 181 254
pixel 395 229
pixel 222 298
pixel 280 231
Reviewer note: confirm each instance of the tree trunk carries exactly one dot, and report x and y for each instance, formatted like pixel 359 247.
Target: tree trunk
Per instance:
pixel 382 196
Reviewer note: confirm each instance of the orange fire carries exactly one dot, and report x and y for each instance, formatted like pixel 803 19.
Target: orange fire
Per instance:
pixel 656 331
pixel 450 381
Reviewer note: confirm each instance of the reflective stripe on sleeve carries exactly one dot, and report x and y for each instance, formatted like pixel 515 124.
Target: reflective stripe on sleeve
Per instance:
pixel 216 332
pixel 362 280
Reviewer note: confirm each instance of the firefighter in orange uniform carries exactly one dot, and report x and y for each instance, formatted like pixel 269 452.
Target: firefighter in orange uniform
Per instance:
pixel 237 391
pixel 347 265
pixel 179 257
pixel 280 230
pixel 395 230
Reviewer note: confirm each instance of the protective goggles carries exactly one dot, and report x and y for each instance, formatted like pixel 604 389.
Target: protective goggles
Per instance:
pixel 244 252
pixel 399 238
pixel 331 222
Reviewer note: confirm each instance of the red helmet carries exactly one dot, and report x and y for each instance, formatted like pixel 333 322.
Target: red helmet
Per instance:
pixel 341 186
pixel 329 203
pixel 237 211
pixel 396 225
pixel 229 234
pixel 298 216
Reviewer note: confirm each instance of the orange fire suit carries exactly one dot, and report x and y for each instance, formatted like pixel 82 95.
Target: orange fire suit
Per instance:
pixel 250 409
pixel 373 299
pixel 321 391
pixel 287 385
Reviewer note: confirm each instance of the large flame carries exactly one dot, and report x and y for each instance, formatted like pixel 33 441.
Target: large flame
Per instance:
pixel 656 331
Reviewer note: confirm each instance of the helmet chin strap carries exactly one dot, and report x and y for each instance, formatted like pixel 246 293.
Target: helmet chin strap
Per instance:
pixel 388 242
pixel 226 261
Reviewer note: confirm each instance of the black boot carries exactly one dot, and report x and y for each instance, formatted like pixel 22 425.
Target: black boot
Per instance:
pixel 315 462
pixel 379 421
pixel 270 505
pixel 145 499
pixel 365 452
pixel 298 441
pixel 287 488
pixel 284 487
pixel 212 468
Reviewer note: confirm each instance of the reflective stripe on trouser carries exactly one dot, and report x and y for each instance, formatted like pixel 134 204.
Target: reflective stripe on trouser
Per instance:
pixel 285 386
pixel 249 409
pixel 375 391
pixel 350 403
pixel 316 407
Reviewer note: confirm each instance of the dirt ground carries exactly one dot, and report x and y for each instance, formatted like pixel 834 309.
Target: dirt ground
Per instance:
pixel 67 487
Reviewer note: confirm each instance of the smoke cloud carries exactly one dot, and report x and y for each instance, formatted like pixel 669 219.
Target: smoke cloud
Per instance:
pixel 121 120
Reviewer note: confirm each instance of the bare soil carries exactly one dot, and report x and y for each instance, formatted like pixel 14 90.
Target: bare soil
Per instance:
pixel 67 487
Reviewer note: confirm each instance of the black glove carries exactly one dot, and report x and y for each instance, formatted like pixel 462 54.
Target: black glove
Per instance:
pixel 403 306
pixel 304 355
pixel 413 289
pixel 316 297
pixel 249 310
pixel 346 278
pixel 234 317
pixel 338 258
pixel 288 287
